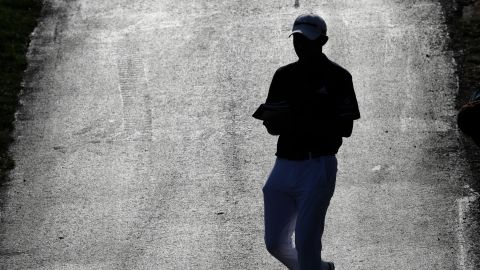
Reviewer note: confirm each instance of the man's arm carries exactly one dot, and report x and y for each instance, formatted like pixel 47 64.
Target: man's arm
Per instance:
pixel 346 107
pixel 273 126
pixel 275 90
pixel 344 127
pixel 277 125
pixel 345 100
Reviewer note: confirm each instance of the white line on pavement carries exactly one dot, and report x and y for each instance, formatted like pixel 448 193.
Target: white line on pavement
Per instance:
pixel 463 208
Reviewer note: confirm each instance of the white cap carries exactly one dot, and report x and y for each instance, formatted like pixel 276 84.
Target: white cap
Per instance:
pixel 310 25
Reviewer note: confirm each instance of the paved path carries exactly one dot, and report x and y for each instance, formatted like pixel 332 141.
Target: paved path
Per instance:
pixel 136 148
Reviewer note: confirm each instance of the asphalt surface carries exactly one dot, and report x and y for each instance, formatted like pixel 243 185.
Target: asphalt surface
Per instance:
pixel 136 149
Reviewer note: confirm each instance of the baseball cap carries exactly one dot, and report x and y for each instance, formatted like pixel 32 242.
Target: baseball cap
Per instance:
pixel 310 25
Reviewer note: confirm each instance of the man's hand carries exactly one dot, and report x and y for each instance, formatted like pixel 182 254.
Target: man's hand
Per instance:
pixel 279 125
pixel 274 126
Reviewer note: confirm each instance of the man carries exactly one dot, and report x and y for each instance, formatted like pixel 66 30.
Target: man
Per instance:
pixel 322 107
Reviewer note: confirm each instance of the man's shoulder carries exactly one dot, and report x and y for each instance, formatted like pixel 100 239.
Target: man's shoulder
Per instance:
pixel 338 70
pixel 286 68
pixel 334 69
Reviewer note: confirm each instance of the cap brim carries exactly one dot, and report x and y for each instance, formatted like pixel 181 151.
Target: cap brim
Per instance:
pixel 309 33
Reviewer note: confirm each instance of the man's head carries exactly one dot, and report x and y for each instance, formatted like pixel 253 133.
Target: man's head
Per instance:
pixel 309 35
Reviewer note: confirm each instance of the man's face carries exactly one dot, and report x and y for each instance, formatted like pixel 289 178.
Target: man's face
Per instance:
pixel 307 49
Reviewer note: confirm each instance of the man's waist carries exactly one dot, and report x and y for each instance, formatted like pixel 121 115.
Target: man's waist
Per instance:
pixel 303 155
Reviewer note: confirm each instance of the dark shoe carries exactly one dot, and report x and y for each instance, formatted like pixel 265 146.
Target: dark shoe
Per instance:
pixel 331 265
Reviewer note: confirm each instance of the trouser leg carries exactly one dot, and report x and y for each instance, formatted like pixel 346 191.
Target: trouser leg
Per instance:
pixel 312 208
pixel 308 235
pixel 280 219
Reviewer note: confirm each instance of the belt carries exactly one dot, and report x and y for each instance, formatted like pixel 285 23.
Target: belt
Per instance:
pixel 305 155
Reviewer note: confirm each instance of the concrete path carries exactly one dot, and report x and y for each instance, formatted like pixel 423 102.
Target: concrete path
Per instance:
pixel 136 149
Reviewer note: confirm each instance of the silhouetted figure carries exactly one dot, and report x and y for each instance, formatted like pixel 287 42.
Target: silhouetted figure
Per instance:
pixel 311 104
pixel 468 118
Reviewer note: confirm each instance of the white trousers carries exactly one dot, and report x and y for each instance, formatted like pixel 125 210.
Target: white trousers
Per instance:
pixel 296 195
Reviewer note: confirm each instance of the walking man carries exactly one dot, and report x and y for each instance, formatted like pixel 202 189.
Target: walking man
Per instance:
pixel 322 107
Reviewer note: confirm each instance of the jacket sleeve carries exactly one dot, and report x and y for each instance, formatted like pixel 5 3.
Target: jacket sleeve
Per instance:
pixel 275 90
pixel 275 94
pixel 344 126
pixel 346 107
pixel 345 100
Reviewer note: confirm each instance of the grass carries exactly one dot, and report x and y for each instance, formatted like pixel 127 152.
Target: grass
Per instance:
pixel 17 20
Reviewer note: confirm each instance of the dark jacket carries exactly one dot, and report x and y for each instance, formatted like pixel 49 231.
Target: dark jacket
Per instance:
pixel 323 107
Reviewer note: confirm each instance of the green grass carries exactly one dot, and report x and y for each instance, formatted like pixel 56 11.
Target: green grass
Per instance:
pixel 17 20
